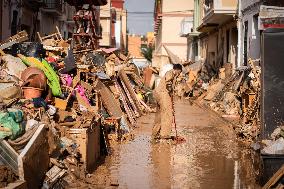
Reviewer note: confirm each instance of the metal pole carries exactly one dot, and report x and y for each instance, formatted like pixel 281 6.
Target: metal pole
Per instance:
pixel 240 58
pixel 174 116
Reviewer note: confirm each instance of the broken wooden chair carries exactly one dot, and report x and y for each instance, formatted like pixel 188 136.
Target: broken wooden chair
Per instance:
pixel 56 36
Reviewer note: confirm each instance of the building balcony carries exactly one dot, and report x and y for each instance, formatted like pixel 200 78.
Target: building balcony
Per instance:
pixel 219 11
pixel 186 26
pixel 34 4
pixel 91 2
pixel 53 7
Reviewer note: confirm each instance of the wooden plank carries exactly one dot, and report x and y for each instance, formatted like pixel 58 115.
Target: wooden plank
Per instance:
pixel 9 156
pixel 124 78
pixel 17 185
pixel 19 37
pixel 88 141
pixel 108 100
pixel 34 159
pixel 274 179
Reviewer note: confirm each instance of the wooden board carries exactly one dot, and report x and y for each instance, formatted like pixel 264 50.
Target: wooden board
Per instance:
pixel 108 100
pixel 88 140
pixel 34 159
pixel 274 179
pixel 9 156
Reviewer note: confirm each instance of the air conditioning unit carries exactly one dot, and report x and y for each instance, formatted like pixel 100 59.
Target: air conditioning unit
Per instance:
pixel 186 26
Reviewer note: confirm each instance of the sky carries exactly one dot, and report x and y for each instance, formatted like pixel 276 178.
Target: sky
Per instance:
pixel 140 16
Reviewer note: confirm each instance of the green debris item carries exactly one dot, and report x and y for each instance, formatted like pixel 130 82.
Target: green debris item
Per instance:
pixel 53 79
pixel 8 125
pixel 16 114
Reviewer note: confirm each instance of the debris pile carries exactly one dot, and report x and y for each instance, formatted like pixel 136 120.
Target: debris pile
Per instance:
pixel 235 95
pixel 60 108
pixel 275 145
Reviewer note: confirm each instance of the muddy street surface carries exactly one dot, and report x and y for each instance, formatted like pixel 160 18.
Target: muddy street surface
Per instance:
pixel 210 157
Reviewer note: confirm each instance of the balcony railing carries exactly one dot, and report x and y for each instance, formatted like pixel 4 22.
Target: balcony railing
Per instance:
pixel 53 5
pixel 34 3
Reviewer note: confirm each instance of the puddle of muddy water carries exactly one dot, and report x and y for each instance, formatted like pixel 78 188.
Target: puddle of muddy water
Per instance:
pixel 210 157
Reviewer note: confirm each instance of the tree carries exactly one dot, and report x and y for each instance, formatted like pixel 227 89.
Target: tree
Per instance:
pixel 147 52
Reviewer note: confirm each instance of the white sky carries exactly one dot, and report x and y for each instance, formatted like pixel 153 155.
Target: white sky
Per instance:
pixel 140 23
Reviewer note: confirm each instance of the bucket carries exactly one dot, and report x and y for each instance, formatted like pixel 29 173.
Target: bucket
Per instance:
pixel 31 92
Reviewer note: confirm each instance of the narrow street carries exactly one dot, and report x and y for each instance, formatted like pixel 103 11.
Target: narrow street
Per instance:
pixel 210 158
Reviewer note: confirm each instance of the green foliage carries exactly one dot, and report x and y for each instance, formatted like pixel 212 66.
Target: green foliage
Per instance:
pixel 147 52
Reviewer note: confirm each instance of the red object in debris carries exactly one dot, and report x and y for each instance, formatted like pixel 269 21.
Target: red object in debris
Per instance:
pixel 148 72
pixel 273 26
pixel 34 77
pixel 50 59
pixel 31 92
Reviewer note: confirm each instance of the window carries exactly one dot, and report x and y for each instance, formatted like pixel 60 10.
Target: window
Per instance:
pixel 186 26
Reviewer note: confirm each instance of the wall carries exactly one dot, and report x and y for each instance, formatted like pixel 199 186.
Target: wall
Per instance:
pixel 171 31
pixel 124 42
pixel 6 24
pixel 105 21
pixel 7 15
pixel 70 11
pixel 121 29
pixel 219 46
pixel 250 11
pixel 177 5
pixel 28 19
pixel 173 12
pixel 117 3
pixel 106 32
pixel 249 14
pixel 229 3
pixel 134 46
pixel 118 33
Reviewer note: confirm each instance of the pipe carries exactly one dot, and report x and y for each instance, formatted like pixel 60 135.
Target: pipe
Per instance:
pixel 239 34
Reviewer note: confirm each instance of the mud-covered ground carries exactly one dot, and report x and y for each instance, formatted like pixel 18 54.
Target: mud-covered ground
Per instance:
pixel 6 176
pixel 210 158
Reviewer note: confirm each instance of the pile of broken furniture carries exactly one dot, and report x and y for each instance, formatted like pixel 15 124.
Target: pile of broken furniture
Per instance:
pixel 60 108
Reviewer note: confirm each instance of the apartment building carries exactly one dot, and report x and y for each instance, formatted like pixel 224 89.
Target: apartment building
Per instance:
pixel 168 18
pixel 120 26
pixel 36 15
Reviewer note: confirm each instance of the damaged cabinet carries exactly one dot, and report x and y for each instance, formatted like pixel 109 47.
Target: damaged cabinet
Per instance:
pixel 32 163
pixel 88 140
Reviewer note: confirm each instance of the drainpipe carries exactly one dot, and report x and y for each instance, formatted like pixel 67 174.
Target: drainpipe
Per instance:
pixel 239 34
